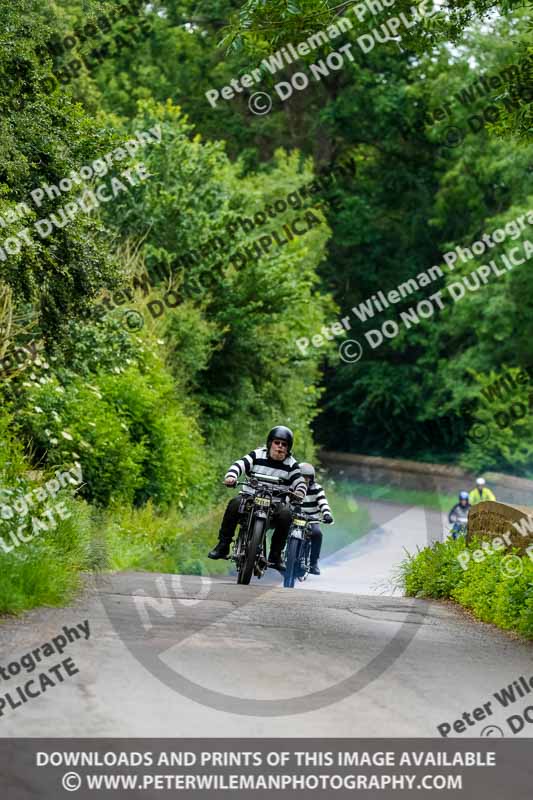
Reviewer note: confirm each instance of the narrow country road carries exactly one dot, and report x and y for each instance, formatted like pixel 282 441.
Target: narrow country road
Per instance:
pixel 340 656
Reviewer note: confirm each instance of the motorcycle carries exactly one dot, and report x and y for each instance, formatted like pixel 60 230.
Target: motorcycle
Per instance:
pixel 298 548
pixel 260 495
pixel 459 525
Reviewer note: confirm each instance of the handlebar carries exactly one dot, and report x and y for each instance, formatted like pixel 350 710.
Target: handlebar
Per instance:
pixel 255 483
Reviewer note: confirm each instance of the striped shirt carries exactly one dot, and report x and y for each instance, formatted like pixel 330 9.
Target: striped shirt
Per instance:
pixel 315 502
pixel 259 462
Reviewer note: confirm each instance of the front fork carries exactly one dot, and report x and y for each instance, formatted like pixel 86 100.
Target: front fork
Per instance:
pixel 303 562
pixel 261 562
pixel 245 529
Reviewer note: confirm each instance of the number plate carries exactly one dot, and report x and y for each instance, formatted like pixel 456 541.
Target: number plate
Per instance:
pixel 300 522
pixel 262 501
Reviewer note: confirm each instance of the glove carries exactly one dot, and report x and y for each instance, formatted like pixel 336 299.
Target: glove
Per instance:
pixel 327 518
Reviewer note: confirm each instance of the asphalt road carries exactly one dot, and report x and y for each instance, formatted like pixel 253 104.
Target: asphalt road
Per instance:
pixel 190 656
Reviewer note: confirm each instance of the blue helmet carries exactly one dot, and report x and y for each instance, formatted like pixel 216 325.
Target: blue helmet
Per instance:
pixel 463 495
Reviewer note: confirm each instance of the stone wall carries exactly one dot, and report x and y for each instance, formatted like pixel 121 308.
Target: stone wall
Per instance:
pixel 488 520
pixel 420 475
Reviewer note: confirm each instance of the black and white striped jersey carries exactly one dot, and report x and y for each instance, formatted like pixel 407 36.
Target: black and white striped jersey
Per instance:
pixel 259 462
pixel 315 502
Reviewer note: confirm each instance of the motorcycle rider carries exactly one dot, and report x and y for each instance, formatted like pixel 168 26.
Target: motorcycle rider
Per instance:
pixel 458 516
pixel 315 503
pixel 275 460
pixel 480 493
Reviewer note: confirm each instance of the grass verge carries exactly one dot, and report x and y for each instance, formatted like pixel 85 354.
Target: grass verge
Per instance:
pixel 498 589
pixel 394 494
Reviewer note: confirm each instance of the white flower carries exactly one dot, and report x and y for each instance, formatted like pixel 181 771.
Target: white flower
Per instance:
pixel 60 389
pixel 38 409
pixel 53 440
pixel 67 435
pixel 75 455
pixel 56 416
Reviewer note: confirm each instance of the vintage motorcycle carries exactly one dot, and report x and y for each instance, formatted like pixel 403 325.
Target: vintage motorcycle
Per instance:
pixel 459 522
pixel 298 547
pixel 260 495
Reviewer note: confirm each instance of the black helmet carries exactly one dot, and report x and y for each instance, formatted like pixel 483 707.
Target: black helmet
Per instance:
pixel 281 432
pixel 307 470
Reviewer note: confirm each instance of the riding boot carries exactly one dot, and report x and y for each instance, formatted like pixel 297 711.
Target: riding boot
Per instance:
pixel 227 530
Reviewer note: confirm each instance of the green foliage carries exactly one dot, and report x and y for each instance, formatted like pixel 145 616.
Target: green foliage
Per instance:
pixel 484 587
pixel 155 416
pixel 433 571
pixel 142 539
pixel 502 437
pixel 43 137
pixel 77 422
pixel 44 569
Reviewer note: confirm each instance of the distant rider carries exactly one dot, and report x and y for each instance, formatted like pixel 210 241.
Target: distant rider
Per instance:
pixel 315 503
pixel 480 493
pixel 275 460
pixel 458 516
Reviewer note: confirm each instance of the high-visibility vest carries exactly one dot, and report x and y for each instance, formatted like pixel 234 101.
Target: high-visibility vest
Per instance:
pixel 477 496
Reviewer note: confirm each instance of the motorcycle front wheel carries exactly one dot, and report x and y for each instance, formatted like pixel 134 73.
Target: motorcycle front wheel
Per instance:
pixel 291 563
pixel 254 542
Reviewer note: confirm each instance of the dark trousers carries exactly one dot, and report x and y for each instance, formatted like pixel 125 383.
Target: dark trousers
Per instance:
pixel 280 520
pixel 316 541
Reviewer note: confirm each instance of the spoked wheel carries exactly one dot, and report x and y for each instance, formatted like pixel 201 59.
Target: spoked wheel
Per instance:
pixel 291 564
pixel 305 563
pixel 254 542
